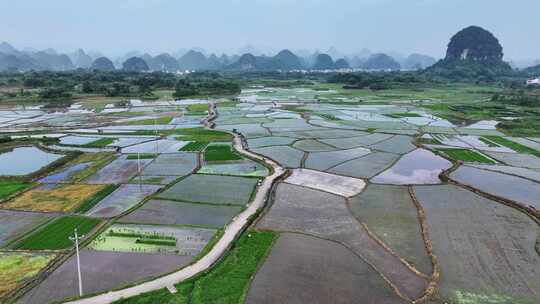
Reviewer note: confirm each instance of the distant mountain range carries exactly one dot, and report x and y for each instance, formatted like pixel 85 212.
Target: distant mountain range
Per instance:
pixel 197 59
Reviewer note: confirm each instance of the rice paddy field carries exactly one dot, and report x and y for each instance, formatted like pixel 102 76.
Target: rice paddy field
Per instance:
pixel 392 196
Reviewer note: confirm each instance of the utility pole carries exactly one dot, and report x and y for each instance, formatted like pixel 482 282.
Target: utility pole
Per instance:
pixel 139 169
pixel 76 239
pixel 157 139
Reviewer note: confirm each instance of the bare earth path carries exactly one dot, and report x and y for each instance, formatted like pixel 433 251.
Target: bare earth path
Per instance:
pixel 230 233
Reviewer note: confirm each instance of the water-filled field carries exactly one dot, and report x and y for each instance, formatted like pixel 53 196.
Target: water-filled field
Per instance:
pixel 25 160
pixel 391 196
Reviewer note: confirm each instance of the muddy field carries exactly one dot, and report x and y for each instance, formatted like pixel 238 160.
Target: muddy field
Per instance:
pixel 178 213
pixel 102 271
pixel 122 199
pixel 226 190
pixel 484 248
pixel 298 209
pixel 390 213
pixel 14 224
pixel 304 269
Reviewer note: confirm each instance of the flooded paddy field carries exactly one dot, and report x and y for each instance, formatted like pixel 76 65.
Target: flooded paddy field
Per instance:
pixel 182 213
pixel 356 216
pixel 104 270
pixel 25 160
pixel 495 241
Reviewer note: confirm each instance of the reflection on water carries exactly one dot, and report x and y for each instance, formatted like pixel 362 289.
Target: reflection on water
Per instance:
pixel 25 160
pixel 418 167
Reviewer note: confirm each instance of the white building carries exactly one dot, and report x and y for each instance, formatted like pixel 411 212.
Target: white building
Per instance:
pixel 535 81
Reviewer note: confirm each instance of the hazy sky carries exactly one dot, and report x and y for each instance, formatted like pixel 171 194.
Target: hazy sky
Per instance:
pixel 405 26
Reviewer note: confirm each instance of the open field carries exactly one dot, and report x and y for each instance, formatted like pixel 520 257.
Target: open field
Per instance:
pixel 8 188
pixel 303 269
pixel 121 170
pixel 194 146
pixel 340 227
pixel 417 167
pixel 227 282
pixel 391 215
pixel 324 215
pixel 485 249
pixel 53 198
pixel 55 235
pixel 15 268
pixel 220 153
pixel 237 168
pixel 96 198
pixel 466 155
pixel 14 224
pixel 122 199
pixel 179 213
pixel 177 164
pixel 513 145
pixel 200 134
pixel 226 190
pixel 522 190
pixel 153 239
pixel 102 271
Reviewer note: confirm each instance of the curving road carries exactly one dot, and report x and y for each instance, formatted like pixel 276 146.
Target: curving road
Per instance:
pixel 231 231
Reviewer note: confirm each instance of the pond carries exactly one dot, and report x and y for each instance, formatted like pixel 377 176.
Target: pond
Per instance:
pixel 25 160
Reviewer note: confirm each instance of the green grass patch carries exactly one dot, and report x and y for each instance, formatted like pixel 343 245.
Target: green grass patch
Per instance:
pixel 513 145
pixel 220 153
pixel 100 143
pixel 403 115
pixel 329 117
pixel 466 155
pixel 429 141
pixel 488 142
pixel 227 282
pixel 97 160
pixel 8 188
pixel 200 107
pixel 55 235
pixel 194 146
pixel 201 134
pixel 158 121
pixel 142 156
pixel 96 198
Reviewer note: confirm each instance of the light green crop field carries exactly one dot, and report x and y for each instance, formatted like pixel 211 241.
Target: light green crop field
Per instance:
pixel 55 235
pixel 466 155
pixel 8 188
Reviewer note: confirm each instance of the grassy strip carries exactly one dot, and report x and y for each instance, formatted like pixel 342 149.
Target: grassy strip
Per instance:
pixel 203 135
pixel 158 121
pixel 194 146
pixel 98 160
pixel 100 143
pixel 156 242
pixel 190 134
pixel 199 107
pixel 429 141
pixel 227 282
pixel 220 153
pixel 7 188
pixel 55 235
pixel 513 145
pixel 142 156
pixel 403 115
pixel 488 142
pixel 96 198
pixel 466 155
